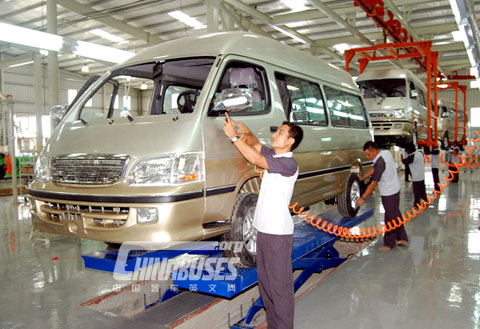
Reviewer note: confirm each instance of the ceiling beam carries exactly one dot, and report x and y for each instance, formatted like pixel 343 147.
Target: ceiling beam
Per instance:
pixel 314 14
pixel 269 21
pixel 21 10
pixel 87 11
pixel 438 29
pixel 17 60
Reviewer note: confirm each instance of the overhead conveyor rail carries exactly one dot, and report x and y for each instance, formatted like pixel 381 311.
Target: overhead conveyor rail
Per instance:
pixel 313 251
pixel 397 51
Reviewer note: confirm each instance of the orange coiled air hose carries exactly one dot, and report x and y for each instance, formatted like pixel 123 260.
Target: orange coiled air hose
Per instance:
pixel 373 231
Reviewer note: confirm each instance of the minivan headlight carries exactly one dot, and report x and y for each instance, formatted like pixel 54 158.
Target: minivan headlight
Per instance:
pixel 42 169
pixel 169 169
pixel 399 113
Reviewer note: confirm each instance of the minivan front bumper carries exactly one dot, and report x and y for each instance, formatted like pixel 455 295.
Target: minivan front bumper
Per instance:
pixel 392 127
pixel 114 218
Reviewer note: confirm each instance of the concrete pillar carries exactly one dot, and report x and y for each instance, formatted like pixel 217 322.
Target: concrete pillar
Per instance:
pixel 53 75
pixel 11 150
pixel 4 112
pixel 38 101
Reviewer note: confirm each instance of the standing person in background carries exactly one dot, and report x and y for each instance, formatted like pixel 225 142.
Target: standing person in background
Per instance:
pixel 454 159
pixel 384 174
pixel 416 162
pixel 435 163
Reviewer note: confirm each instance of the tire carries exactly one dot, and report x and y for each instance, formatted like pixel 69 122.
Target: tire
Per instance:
pixel 243 230
pixel 346 200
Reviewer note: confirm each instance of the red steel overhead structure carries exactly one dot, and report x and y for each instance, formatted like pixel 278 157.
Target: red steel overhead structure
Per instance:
pixel 454 85
pixel 422 53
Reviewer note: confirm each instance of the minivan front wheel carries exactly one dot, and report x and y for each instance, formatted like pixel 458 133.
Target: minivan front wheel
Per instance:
pixel 346 202
pixel 242 230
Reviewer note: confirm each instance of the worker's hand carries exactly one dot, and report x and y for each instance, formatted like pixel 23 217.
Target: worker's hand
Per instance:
pixel 229 127
pixel 359 202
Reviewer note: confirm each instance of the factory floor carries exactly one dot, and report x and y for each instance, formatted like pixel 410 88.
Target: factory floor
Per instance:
pixel 433 282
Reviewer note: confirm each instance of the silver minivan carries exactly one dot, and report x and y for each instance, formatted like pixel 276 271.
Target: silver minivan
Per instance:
pixel 161 169
pixel 397 104
pixel 449 130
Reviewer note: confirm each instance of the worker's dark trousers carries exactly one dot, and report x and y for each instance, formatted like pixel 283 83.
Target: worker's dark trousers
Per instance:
pixel 419 192
pixel 436 179
pixel 391 204
pixel 407 172
pixel 275 279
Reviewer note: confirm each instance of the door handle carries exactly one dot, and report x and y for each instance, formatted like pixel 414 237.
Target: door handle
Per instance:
pixel 273 128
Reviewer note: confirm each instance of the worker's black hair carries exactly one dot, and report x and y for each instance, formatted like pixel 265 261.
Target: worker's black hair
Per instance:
pixel 370 146
pixel 295 132
pixel 410 147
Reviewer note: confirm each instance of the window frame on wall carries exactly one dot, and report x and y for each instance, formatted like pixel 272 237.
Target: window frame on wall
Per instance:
pixel 265 84
pixel 362 104
pixel 288 103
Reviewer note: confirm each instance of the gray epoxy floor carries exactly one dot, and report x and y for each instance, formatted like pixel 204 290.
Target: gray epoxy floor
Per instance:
pixel 432 283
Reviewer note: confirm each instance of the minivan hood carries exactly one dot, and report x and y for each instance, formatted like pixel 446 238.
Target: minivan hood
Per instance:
pixel 377 105
pixel 142 137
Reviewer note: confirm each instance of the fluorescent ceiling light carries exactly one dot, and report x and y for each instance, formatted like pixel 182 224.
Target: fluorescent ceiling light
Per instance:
pixel 85 68
pixel 21 64
pixel 443 86
pixel 184 18
pixel 341 47
pixel 43 52
pixel 108 36
pixel 29 37
pixel 475 84
pixel 103 53
pixel 143 86
pixel 474 72
pixel 458 35
pixel 296 5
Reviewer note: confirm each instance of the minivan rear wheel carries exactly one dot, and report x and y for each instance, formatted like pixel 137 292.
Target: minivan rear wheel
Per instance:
pixel 347 200
pixel 242 230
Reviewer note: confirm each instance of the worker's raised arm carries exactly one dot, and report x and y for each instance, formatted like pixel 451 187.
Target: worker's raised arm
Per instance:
pixel 246 134
pixel 250 152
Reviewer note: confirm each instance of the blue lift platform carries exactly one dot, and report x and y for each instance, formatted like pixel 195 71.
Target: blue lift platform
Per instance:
pixel 313 251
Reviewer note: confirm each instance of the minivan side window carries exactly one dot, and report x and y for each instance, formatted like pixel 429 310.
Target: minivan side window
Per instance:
pixel 302 100
pixel 346 110
pixel 421 97
pixel 245 75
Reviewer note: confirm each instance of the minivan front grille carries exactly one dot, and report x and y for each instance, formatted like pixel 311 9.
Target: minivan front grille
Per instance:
pixel 382 126
pixel 378 115
pixel 99 216
pixel 90 169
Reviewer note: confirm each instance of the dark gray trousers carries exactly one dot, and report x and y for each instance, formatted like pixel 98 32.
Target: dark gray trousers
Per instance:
pixel 436 179
pixel 391 204
pixel 419 192
pixel 275 279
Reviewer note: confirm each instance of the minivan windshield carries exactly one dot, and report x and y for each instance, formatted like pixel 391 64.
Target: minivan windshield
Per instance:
pixel 383 88
pixel 152 88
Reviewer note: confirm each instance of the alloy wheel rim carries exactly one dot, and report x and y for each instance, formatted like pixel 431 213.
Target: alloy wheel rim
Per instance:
pixel 354 194
pixel 249 232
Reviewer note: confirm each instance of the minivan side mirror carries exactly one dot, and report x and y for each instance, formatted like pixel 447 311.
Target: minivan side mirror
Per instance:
pixel 413 93
pixel 57 113
pixel 233 100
